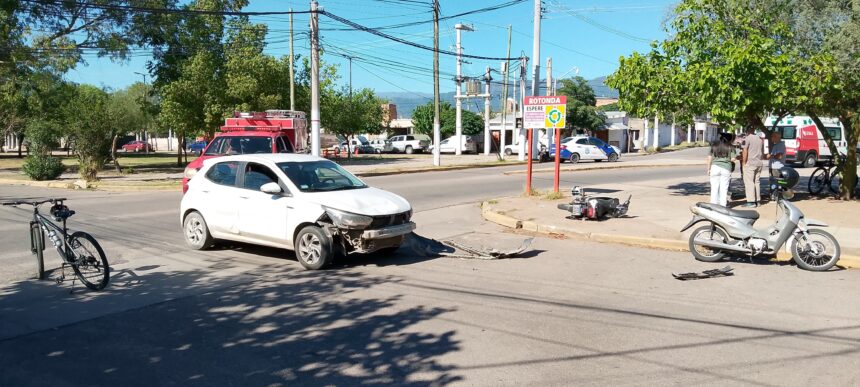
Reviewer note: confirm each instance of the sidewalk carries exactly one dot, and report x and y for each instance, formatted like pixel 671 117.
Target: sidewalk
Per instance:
pixel 659 209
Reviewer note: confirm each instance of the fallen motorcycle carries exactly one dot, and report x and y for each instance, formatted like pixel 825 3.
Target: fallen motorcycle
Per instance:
pixel 731 231
pixel 584 207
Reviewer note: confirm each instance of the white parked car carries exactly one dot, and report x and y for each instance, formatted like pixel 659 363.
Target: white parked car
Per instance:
pixel 378 145
pixel 293 201
pixel 408 144
pixel 468 144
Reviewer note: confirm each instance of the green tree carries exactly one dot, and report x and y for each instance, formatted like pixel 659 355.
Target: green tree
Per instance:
pixel 349 115
pixel 86 115
pixel 826 37
pixel 422 119
pixel 730 59
pixel 581 110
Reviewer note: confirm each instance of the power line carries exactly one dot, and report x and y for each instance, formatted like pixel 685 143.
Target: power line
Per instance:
pixel 415 23
pixel 598 25
pixel 404 41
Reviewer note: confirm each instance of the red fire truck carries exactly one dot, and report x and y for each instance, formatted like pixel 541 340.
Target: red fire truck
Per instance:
pixel 272 131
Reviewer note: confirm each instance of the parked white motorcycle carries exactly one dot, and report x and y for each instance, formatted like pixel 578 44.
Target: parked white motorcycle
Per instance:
pixel 731 231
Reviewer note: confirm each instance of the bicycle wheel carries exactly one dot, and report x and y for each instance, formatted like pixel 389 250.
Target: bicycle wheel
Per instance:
pixel 88 261
pixel 836 182
pixel 817 181
pixel 37 247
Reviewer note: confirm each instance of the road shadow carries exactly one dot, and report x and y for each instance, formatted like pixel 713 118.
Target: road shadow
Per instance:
pixel 737 193
pixel 305 328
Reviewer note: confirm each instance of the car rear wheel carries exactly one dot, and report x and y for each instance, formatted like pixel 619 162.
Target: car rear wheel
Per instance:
pixel 197 234
pixel 508 152
pixel 409 150
pixel 810 161
pixel 613 157
pixel 313 248
pixel 574 158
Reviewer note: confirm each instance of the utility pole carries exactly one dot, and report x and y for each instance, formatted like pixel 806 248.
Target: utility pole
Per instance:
pixel 315 81
pixel 458 102
pixel 656 131
pixel 350 77
pixel 437 161
pixel 292 71
pixel 487 142
pixel 505 67
pixel 524 63
pixel 536 62
pixel 550 133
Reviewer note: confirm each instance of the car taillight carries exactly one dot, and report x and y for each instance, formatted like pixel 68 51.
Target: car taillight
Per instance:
pixel 190 172
pixel 563 147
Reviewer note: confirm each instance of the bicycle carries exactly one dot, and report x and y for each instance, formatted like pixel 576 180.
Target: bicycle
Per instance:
pixel 829 175
pixel 78 250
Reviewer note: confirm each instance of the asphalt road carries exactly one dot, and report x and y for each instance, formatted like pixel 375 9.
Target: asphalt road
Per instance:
pixel 570 313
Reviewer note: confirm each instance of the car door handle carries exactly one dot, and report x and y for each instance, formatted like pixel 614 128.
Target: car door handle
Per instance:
pixel 204 190
pixel 243 197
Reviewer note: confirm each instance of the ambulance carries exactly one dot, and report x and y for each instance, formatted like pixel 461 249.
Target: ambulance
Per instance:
pixel 804 143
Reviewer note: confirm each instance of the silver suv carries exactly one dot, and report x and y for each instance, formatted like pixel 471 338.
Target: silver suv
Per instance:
pixel 409 143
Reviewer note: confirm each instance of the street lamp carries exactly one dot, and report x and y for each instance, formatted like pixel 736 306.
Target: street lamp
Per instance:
pixel 458 123
pixel 555 81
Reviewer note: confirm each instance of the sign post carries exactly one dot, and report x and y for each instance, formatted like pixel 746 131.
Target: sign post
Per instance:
pixel 544 112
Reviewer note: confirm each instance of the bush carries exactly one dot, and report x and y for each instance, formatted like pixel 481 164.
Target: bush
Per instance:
pixel 43 167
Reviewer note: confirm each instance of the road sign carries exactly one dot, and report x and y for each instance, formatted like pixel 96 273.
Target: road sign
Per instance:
pixel 544 112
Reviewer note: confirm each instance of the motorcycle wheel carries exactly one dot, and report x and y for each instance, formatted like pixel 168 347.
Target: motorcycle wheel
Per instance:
pixel 817 251
pixel 707 233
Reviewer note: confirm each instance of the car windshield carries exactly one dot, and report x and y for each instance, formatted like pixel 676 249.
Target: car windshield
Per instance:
pixel 240 146
pixel 319 176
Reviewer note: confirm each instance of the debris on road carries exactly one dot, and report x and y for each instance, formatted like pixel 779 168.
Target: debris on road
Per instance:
pixel 450 249
pixel 724 272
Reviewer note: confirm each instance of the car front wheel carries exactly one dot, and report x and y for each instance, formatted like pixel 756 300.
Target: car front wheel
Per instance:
pixel 313 248
pixel 613 157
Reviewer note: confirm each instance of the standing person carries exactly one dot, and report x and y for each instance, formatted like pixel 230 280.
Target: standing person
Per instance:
pixel 753 150
pixel 776 157
pixel 720 162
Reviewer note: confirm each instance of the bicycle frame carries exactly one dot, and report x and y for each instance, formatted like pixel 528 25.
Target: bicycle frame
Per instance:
pixel 46 225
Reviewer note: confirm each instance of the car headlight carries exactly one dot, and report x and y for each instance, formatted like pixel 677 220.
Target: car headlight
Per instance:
pixel 348 219
pixel 190 172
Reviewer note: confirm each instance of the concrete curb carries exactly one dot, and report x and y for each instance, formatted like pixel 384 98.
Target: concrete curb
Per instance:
pixel 611 166
pixel 845 261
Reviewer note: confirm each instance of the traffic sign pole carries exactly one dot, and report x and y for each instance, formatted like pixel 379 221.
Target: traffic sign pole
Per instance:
pixel 547 112
pixel 557 159
pixel 529 170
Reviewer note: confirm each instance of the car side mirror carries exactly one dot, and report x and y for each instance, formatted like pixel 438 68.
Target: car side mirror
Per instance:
pixel 271 188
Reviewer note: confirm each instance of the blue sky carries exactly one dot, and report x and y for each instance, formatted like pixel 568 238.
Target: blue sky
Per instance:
pixel 593 41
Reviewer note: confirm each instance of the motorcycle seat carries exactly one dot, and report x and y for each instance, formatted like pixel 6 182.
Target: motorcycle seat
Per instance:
pixel 728 211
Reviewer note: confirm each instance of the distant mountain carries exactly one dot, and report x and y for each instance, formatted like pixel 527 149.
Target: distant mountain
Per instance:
pixel 600 88
pixel 407 101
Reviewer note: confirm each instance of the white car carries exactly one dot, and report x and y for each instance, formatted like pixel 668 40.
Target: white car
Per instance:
pixel 408 144
pixel 449 145
pixel 293 201
pixel 578 148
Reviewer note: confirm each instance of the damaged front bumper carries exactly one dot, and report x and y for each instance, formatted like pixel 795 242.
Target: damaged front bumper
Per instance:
pixel 388 232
